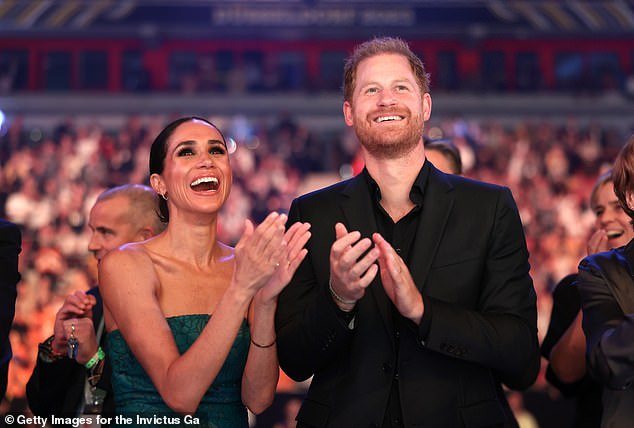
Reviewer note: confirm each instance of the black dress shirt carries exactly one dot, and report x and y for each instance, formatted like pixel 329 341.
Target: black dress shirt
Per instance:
pixel 400 235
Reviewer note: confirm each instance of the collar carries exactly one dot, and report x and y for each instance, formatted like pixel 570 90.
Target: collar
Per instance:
pixel 416 192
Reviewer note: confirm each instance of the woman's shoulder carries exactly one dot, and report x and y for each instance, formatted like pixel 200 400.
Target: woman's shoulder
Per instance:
pixel 613 258
pixel 131 249
pixel 134 255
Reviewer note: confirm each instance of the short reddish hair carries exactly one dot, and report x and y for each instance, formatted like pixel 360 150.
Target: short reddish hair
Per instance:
pixel 378 46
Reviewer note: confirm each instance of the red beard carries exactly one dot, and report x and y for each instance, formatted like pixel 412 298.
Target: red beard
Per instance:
pixel 392 142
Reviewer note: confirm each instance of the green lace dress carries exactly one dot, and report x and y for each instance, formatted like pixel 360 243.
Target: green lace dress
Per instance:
pixel 139 402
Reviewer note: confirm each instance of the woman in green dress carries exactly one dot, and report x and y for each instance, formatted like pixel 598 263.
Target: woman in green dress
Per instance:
pixel 190 319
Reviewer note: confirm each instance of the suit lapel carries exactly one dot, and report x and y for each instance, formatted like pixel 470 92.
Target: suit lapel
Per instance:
pixel 357 207
pixel 358 210
pixel 437 203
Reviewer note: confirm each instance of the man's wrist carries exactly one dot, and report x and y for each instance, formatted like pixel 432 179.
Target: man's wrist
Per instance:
pixel 46 352
pixel 343 304
pixel 417 314
pixel 98 356
pixel 55 345
pixel 85 355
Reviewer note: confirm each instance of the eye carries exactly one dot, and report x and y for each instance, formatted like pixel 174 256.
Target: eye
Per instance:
pixel 103 231
pixel 185 151
pixel 217 150
pixel 372 90
pixel 598 212
pixel 402 88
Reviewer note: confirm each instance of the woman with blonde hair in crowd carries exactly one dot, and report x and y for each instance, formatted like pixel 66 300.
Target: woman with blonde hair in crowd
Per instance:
pixel 565 344
pixel 606 286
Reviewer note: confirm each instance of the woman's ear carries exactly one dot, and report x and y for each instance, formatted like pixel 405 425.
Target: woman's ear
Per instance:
pixel 156 181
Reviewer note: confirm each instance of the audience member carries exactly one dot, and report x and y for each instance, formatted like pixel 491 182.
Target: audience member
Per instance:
pixel 211 351
pixel 10 247
pixel 441 306
pixel 607 298
pixel 444 155
pixel 68 385
pixel 565 344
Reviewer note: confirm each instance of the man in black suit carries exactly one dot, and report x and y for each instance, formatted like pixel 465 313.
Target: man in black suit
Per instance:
pixel 414 303
pixel 64 386
pixel 10 247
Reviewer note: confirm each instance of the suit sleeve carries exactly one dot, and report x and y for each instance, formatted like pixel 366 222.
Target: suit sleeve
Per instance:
pixel 609 332
pixel 501 333
pixel 10 247
pixel 50 385
pixel 310 331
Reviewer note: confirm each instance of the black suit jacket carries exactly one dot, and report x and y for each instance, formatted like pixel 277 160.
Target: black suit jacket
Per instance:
pixel 57 388
pixel 470 262
pixel 10 247
pixel 606 286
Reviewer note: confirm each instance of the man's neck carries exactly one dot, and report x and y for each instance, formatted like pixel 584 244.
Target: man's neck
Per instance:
pixel 395 178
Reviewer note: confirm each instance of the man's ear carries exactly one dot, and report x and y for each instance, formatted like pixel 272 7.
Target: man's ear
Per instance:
pixel 146 232
pixel 347 113
pixel 426 106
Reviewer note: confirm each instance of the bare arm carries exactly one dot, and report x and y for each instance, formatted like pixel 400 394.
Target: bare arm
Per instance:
pixel 128 285
pixel 568 356
pixel 262 369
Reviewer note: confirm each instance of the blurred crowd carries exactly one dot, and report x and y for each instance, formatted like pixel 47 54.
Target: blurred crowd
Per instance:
pixel 50 177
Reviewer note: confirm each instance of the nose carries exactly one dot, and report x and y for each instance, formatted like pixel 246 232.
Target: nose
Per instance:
pixel 386 97
pixel 94 245
pixel 206 160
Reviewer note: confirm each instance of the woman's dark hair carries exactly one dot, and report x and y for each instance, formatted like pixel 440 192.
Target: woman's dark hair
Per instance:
pixel 158 152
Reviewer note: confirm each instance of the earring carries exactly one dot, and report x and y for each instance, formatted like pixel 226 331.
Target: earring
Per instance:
pixel 164 196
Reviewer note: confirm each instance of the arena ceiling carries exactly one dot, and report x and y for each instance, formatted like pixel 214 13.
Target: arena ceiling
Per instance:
pixel 302 19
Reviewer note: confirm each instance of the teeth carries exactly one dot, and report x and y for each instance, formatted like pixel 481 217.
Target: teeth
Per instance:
pixel 387 118
pixel 204 180
pixel 614 233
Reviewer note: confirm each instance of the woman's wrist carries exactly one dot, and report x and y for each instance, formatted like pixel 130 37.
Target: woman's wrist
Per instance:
pixel 238 296
pixel 265 344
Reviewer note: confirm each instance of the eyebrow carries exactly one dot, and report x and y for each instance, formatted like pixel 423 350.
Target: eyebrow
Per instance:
pixel 192 142
pixel 393 82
